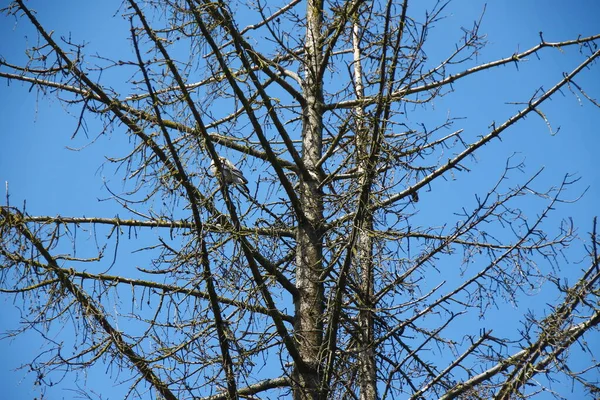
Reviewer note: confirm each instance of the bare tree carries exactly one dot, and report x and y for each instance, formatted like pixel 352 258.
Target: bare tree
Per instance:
pixel 320 272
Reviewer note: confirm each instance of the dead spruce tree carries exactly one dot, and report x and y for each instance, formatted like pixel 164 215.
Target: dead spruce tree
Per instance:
pixel 321 280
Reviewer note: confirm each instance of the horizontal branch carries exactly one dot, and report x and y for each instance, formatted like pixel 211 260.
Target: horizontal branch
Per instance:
pixel 180 224
pixel 396 235
pixel 91 309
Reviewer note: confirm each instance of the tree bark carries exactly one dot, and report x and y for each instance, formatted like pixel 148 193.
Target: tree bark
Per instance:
pixel 310 303
pixel 366 352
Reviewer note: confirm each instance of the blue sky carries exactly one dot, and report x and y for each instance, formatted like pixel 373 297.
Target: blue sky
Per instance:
pixel 36 131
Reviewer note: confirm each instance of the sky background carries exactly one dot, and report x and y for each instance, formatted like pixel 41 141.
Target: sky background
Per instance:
pixel 39 168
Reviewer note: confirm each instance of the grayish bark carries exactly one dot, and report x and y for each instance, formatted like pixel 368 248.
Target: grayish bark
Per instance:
pixel 364 259
pixel 309 249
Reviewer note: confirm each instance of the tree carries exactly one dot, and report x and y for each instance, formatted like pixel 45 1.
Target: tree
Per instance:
pixel 319 282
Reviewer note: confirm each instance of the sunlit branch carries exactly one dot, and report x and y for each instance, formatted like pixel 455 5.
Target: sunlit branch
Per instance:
pixel 89 307
pixel 409 90
pixel 173 224
pixel 455 161
pixel 251 390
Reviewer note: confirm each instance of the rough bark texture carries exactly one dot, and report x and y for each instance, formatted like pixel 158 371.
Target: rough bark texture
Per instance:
pixel 324 279
pixel 309 248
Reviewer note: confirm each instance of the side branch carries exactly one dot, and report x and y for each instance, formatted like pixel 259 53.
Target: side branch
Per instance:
pixel 89 308
pixel 408 89
pixel 248 391
pixel 157 223
pixel 452 163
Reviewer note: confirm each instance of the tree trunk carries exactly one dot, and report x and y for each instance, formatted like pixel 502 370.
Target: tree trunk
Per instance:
pixel 310 304
pixel 366 352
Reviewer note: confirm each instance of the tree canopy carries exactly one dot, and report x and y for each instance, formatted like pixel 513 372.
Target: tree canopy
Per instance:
pixel 308 199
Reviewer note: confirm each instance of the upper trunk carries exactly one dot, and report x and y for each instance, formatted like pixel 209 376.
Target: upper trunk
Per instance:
pixel 364 258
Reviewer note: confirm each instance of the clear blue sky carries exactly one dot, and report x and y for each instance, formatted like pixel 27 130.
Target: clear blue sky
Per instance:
pixel 35 131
